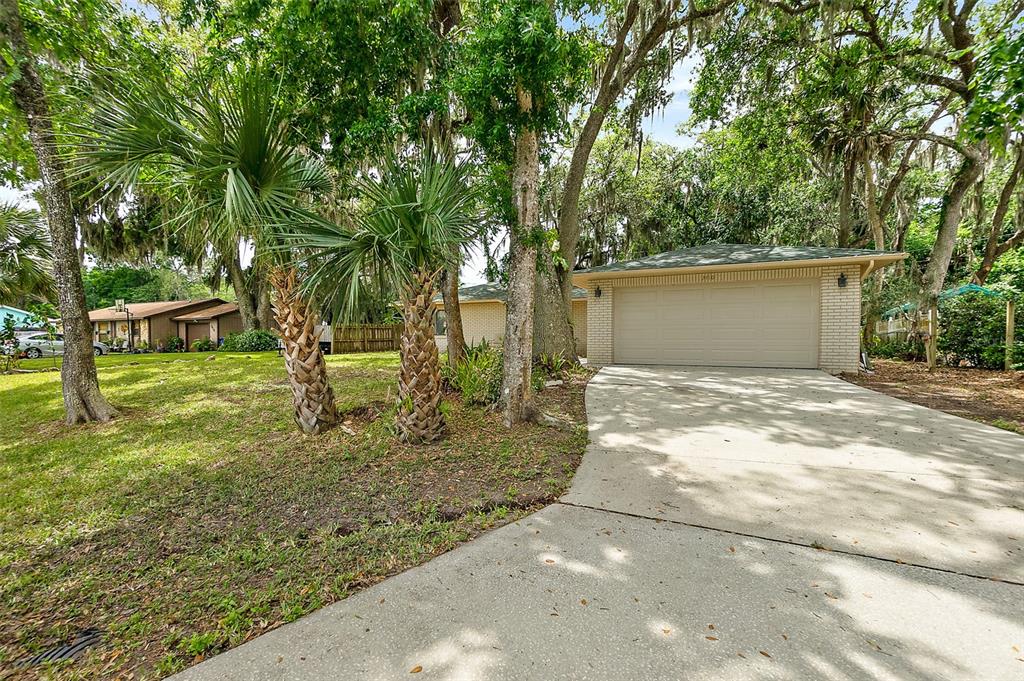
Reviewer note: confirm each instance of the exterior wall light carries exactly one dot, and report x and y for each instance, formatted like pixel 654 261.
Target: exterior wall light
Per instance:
pixel 842 280
pixel 597 292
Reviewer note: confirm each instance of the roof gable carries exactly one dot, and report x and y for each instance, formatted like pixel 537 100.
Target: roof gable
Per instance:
pixel 713 255
pixel 143 310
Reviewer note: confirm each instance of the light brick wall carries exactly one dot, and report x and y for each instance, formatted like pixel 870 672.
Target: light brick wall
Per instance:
pixel 599 324
pixel 840 320
pixel 483 321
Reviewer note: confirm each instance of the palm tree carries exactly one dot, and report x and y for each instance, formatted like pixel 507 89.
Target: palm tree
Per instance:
pixel 225 158
pixel 25 270
pixel 415 217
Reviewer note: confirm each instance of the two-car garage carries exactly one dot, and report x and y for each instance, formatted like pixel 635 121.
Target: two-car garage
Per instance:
pixel 771 324
pixel 730 305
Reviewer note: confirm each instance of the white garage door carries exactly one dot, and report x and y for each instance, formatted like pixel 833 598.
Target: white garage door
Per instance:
pixel 762 325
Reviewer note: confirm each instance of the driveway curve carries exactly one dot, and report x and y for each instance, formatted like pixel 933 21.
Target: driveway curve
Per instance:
pixel 686 549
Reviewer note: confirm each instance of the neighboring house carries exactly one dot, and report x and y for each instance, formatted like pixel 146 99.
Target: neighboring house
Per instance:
pixel 731 305
pixel 902 321
pixel 149 323
pixel 210 322
pixel 21 317
pixel 483 316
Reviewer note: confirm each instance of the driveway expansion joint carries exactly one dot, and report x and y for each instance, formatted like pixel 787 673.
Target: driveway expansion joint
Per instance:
pixel 844 552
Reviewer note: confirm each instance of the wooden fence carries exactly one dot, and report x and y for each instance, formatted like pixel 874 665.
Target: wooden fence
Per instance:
pixel 365 338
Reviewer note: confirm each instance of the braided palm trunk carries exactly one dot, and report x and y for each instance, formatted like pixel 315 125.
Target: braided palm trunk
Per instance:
pixel 419 418
pixel 312 396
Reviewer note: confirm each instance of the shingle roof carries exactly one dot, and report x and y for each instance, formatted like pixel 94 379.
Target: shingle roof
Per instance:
pixel 141 310
pixel 485 292
pixel 207 312
pixel 734 254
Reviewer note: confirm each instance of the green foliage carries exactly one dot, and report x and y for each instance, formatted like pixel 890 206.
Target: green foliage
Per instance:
pixel 554 364
pixel 897 348
pixel 222 155
pixel 254 340
pixel 24 256
pixel 175 344
pixel 107 283
pixel 203 345
pixel 972 330
pixel 367 54
pixel 478 376
pixel 999 86
pixel 9 344
pixel 417 216
pixel 514 44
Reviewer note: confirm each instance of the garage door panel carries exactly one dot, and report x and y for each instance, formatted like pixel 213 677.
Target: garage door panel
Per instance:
pixel 772 325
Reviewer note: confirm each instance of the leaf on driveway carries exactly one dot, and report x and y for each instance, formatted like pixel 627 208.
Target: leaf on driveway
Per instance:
pixel 711 638
pixel 765 654
pixel 416 670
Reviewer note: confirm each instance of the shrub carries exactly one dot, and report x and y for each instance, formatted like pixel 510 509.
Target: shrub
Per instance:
pixel 255 340
pixel 554 365
pixel 972 330
pixel 203 345
pixel 897 348
pixel 478 377
pixel 175 344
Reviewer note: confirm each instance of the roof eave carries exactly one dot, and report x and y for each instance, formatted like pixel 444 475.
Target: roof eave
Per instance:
pixel 866 262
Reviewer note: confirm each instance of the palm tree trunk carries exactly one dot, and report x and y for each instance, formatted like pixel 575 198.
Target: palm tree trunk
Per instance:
pixel 312 396
pixel 419 419
pixel 83 400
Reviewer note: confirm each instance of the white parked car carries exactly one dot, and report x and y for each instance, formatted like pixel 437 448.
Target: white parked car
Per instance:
pixel 40 344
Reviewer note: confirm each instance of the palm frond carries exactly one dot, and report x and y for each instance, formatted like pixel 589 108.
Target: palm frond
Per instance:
pixel 415 216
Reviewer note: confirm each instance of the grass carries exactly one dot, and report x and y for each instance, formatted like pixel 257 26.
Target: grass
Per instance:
pixel 201 518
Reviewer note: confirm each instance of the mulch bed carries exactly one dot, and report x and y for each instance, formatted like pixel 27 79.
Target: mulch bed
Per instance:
pixel 993 397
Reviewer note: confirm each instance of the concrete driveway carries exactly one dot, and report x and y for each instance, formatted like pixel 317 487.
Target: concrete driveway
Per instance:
pixel 801 456
pixel 684 550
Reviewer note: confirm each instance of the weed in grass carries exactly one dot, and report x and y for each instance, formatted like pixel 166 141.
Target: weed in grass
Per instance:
pixel 200 518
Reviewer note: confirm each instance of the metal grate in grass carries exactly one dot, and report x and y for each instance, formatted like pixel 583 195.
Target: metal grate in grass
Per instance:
pixel 85 639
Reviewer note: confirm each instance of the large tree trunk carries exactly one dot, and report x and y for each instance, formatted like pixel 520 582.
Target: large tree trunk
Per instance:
pixel 312 396
pixel 83 400
pixel 264 308
pixel 552 317
pixel 419 419
pixel 246 304
pixel 453 314
pixel 516 391
pixel 949 221
pixel 993 247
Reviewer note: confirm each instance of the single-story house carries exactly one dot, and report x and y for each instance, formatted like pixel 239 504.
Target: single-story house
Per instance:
pixel 20 318
pixel 149 323
pixel 209 322
pixel 731 305
pixel 483 316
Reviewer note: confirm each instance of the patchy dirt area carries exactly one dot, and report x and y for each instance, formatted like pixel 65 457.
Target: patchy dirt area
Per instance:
pixel 992 397
pixel 201 519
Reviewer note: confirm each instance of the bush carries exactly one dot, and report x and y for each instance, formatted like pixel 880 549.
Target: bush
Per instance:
pixel 203 345
pixel 478 377
pixel 175 344
pixel 897 348
pixel 255 340
pixel 972 330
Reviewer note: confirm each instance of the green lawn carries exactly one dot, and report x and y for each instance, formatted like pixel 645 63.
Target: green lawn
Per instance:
pixel 201 518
